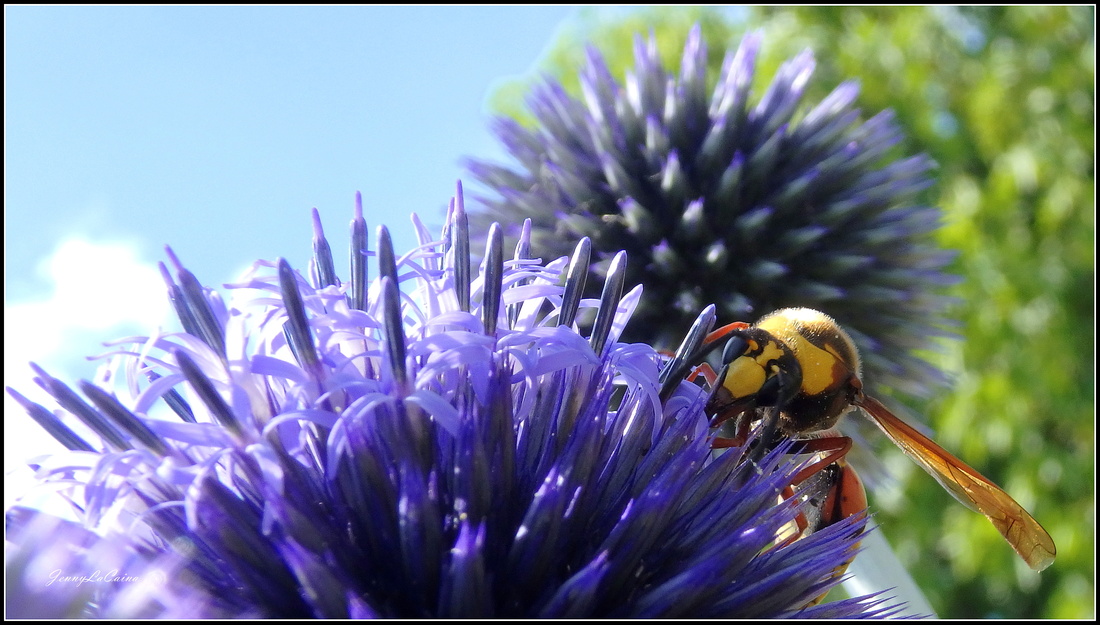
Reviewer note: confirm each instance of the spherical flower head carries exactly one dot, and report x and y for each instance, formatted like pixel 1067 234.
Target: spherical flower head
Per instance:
pixel 437 441
pixel 753 202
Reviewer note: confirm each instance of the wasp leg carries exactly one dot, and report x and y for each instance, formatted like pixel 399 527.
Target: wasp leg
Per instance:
pixel 775 393
pixel 834 448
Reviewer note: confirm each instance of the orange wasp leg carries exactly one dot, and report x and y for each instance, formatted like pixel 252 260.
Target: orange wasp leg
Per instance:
pixel 834 448
pixel 706 371
pixel 845 495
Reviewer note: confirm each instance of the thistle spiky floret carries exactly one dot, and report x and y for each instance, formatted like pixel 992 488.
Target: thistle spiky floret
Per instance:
pixel 438 440
pixel 752 202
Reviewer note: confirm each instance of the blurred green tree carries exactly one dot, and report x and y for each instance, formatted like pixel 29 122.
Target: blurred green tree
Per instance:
pixel 1002 98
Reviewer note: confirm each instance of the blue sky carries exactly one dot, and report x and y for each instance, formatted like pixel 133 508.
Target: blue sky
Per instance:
pixel 215 130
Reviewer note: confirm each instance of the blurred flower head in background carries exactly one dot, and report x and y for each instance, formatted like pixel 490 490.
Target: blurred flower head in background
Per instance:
pixel 437 441
pixel 752 203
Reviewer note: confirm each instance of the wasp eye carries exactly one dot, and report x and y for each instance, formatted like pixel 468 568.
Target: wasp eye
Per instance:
pixel 734 349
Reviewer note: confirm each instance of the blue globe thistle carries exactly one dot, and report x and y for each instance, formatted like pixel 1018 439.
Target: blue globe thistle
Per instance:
pixel 432 442
pixel 750 202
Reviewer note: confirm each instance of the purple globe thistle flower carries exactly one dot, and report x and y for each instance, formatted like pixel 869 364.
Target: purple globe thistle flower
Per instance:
pixel 750 203
pixel 428 443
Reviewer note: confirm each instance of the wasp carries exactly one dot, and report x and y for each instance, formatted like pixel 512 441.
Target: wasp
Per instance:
pixel 797 371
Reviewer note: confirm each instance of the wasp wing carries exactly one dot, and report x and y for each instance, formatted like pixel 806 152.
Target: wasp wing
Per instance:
pixel 971 488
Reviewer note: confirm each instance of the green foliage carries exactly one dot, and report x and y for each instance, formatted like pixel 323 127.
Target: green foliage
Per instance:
pixel 1002 99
